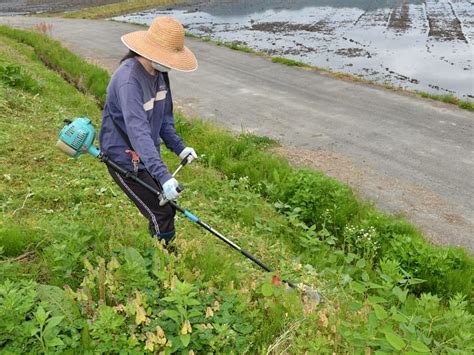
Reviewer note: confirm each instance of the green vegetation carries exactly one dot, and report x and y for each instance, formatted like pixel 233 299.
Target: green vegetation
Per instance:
pixel 449 99
pixel 12 76
pixel 79 273
pixel 86 78
pixel 65 223
pixel 236 46
pixel 332 213
pixel 116 9
pixel 289 62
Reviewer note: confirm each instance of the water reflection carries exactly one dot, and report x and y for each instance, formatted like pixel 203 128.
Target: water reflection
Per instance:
pixel 246 7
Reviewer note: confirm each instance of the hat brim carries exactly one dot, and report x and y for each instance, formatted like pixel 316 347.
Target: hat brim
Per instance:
pixel 138 42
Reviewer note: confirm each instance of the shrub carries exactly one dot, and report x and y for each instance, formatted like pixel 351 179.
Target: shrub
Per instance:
pixel 14 76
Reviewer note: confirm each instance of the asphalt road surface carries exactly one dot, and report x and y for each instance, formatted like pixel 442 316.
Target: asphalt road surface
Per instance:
pixel 410 156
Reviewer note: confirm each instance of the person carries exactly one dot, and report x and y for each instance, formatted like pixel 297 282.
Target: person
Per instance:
pixel 138 113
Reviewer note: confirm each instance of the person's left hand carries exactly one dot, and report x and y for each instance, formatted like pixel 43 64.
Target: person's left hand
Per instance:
pixel 188 152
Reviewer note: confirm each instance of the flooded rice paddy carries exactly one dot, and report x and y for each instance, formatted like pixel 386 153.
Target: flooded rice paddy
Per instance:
pixel 414 44
pixel 24 7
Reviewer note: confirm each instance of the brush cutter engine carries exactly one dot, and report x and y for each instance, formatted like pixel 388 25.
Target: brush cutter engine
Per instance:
pixel 77 138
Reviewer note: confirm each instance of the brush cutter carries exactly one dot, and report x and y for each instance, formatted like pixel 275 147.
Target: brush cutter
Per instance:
pixel 77 138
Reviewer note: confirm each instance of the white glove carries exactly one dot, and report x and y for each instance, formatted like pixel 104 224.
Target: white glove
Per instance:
pixel 170 189
pixel 188 152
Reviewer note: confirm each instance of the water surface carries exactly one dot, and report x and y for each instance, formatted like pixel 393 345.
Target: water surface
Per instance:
pixel 415 44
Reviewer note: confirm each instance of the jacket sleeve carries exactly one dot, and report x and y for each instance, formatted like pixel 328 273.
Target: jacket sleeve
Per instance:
pixel 139 131
pixel 168 129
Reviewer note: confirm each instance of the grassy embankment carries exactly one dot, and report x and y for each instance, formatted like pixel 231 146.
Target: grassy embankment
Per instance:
pixel 119 8
pixel 65 223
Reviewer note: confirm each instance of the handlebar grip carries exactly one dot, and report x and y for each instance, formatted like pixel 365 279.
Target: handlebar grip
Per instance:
pixel 164 201
pixel 185 160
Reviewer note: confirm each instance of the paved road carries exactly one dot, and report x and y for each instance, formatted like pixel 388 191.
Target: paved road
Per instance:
pixel 410 156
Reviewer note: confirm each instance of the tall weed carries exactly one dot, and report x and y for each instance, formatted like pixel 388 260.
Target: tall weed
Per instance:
pixel 12 75
pixel 85 76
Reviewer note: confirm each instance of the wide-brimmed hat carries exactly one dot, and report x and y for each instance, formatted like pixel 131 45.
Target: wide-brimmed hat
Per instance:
pixel 163 43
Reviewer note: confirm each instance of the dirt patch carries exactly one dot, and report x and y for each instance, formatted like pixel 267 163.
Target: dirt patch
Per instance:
pixel 450 32
pixel 354 41
pixel 400 18
pixel 285 27
pixel 353 52
pixel 373 18
pixel 206 29
pixel 444 25
pixel 401 77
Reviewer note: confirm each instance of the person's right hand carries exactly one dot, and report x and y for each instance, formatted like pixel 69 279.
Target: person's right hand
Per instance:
pixel 170 189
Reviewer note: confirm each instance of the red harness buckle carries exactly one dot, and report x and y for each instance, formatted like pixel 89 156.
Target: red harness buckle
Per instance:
pixel 135 159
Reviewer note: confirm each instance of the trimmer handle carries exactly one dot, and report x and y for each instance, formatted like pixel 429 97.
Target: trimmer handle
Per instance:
pixel 183 163
pixel 185 160
pixel 180 188
pixel 164 201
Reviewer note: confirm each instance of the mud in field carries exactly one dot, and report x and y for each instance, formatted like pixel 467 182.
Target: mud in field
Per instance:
pixel 13 7
pixel 400 20
pixel 285 27
pixel 424 45
pixel 443 22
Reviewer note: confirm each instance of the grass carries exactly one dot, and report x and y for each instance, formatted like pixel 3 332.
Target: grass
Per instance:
pixel 449 99
pixel 120 8
pixel 218 148
pixel 290 62
pixel 240 159
pixel 77 212
pixel 236 46
pixel 76 228
pixel 86 78
pixel 331 206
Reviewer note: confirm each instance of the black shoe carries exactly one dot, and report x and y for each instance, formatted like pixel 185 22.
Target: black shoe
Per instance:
pixel 167 245
pixel 171 248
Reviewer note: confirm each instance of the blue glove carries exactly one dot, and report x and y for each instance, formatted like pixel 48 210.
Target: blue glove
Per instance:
pixel 170 189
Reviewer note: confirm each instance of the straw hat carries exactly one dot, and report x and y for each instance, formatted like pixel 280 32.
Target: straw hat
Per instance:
pixel 163 43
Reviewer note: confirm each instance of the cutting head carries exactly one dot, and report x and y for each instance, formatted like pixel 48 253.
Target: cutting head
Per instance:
pixel 77 137
pixel 312 294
